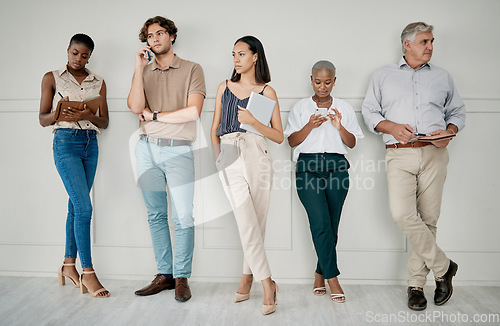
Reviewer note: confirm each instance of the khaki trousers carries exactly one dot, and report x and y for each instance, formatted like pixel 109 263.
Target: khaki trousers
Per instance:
pixel 245 169
pixel 415 178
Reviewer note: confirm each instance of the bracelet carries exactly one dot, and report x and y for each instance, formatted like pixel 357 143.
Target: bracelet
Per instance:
pixel 155 115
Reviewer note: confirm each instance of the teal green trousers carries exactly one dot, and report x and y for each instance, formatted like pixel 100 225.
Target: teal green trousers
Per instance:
pixel 322 181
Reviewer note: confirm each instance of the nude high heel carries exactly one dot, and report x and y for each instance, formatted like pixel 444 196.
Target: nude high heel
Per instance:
pixel 62 277
pixel 95 294
pixel 241 297
pixel 270 308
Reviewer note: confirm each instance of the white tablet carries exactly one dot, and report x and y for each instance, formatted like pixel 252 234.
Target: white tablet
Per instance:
pixel 261 108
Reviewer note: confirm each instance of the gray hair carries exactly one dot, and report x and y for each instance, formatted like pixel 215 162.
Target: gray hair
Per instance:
pixel 324 64
pixel 411 31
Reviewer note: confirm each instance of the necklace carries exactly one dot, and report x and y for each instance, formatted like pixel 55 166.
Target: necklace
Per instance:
pixel 76 75
pixel 322 103
pixel 248 89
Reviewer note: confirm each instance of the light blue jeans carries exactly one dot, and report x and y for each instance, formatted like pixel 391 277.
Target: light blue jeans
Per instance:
pixel 157 167
pixel 75 156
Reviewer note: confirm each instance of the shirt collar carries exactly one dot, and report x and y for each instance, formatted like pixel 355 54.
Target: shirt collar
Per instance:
pixel 90 77
pixel 176 63
pixel 402 63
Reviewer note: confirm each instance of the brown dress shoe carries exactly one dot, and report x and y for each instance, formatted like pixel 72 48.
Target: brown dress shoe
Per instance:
pixel 182 291
pixel 159 284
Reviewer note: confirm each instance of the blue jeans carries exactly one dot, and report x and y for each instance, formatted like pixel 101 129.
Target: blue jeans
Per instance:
pixel 158 167
pixel 75 156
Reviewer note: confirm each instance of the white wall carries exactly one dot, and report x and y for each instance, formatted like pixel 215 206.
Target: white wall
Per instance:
pixel 358 36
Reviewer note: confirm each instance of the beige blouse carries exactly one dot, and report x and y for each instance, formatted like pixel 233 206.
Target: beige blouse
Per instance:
pixel 66 85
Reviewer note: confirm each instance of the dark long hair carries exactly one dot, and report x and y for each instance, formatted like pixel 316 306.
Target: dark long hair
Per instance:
pixel 262 74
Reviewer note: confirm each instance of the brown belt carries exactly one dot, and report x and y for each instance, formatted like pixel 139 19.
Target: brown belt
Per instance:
pixel 414 144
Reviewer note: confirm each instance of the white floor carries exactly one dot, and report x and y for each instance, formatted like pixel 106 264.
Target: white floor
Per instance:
pixel 40 301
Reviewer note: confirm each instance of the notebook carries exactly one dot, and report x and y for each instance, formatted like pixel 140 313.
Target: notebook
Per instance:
pixel 261 108
pixel 92 104
pixel 432 138
pixel 435 138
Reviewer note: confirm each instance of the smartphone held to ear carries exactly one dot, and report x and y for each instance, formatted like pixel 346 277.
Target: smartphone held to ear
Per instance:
pixel 148 55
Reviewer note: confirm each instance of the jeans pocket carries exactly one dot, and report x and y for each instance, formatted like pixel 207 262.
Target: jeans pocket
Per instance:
pixel 65 134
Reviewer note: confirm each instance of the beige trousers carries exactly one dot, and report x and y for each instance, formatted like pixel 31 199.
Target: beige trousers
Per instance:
pixel 245 169
pixel 415 178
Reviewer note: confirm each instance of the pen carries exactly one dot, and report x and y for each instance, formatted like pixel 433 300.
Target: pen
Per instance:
pixel 60 94
pixel 420 135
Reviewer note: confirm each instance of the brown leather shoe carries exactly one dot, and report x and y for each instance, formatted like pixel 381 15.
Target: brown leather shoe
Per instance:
pixel 182 291
pixel 159 284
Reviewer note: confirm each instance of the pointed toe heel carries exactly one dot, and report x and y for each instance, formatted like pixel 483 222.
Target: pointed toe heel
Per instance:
pixel 241 297
pixel 270 308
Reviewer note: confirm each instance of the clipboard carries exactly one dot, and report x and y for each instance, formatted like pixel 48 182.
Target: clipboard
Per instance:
pixel 261 108
pixel 92 104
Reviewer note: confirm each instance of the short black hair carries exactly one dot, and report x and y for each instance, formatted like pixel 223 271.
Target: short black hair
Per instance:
pixel 83 39
pixel 262 74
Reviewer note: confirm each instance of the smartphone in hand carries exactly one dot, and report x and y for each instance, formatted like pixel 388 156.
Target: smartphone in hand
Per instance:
pixel 322 112
pixel 148 53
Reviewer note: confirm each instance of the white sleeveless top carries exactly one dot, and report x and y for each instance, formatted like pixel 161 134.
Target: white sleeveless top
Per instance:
pixel 67 85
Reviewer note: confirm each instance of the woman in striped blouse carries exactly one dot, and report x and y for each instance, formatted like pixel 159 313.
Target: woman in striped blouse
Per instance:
pixel 244 161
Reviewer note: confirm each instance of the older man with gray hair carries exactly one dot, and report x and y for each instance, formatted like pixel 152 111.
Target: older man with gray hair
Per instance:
pixel 405 101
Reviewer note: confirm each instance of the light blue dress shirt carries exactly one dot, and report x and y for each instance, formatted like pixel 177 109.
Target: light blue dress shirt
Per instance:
pixel 425 98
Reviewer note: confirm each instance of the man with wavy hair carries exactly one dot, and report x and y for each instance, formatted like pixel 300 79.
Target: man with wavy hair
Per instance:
pixel 167 95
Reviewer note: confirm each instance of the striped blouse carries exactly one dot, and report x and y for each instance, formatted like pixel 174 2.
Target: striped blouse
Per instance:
pixel 229 116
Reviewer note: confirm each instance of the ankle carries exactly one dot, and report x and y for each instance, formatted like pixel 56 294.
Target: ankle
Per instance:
pixel 335 286
pixel 319 280
pixel 247 277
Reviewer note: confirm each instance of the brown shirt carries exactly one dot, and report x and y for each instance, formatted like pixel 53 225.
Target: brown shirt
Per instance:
pixel 168 90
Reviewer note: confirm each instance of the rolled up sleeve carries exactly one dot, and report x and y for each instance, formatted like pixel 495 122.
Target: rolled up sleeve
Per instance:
pixel 371 109
pixel 454 107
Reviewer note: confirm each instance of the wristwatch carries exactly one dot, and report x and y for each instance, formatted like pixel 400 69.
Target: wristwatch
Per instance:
pixel 155 115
